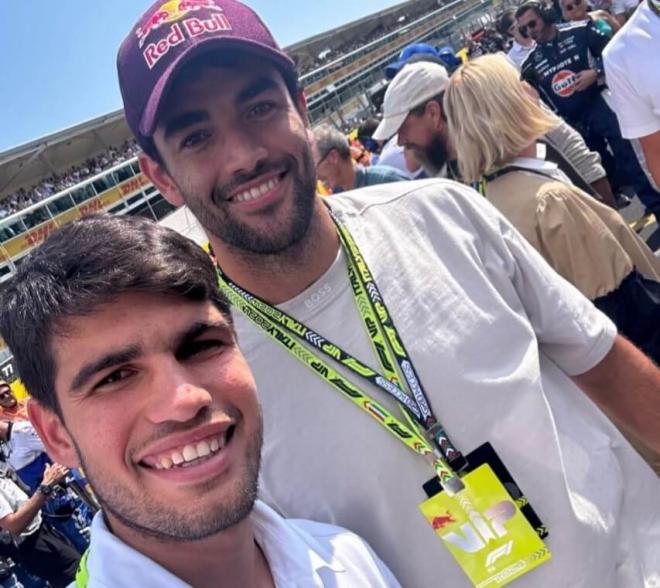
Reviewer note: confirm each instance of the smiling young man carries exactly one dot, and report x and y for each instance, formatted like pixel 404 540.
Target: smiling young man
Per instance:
pixel 121 336
pixel 502 349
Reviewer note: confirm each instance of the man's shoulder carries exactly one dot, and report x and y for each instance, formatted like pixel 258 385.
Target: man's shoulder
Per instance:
pixel 385 171
pixel 433 190
pixel 627 43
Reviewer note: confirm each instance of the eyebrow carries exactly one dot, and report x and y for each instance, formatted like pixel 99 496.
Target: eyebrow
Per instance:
pixel 182 121
pixel 109 360
pixel 199 328
pixel 255 87
pixel 132 352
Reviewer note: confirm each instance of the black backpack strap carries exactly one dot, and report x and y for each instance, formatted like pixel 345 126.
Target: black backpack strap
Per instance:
pixel 555 156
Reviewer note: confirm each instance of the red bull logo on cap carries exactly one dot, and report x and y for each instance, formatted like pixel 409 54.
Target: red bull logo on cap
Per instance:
pixel 170 13
pixel 563 83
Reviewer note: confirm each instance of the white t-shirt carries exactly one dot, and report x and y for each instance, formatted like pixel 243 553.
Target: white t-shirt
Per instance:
pixel 632 71
pixel 623 6
pixel 518 52
pixel 300 554
pixel 392 155
pixel 11 499
pixel 493 333
pixel 25 444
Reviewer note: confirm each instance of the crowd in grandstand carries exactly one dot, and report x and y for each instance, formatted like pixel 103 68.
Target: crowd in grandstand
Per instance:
pixel 402 20
pixel 55 183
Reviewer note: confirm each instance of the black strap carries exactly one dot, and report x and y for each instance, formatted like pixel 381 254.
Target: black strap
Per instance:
pixel 517 168
pixel 558 158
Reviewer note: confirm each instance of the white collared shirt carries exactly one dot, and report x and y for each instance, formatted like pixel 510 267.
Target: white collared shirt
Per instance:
pixel 539 164
pixel 518 52
pixel 301 554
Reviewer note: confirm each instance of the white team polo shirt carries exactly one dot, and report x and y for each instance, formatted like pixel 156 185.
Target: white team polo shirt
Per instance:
pixel 301 554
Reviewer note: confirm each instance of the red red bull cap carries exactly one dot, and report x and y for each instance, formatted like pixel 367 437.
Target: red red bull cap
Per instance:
pixel 167 35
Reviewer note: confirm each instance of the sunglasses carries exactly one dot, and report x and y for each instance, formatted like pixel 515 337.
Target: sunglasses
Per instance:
pixel 530 25
pixel 569 7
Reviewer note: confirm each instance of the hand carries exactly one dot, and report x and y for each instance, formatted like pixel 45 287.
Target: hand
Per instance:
pixel 54 473
pixel 585 79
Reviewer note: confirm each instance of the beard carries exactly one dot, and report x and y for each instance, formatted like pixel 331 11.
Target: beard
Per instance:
pixel 158 519
pixel 218 220
pixel 434 156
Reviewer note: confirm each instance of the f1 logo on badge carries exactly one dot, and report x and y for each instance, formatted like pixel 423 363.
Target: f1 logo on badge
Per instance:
pixel 501 551
pixel 482 528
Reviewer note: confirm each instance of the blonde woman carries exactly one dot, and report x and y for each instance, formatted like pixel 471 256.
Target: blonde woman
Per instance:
pixel 495 127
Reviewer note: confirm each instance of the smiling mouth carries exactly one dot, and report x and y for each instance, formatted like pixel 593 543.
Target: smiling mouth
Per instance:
pixel 191 454
pixel 259 190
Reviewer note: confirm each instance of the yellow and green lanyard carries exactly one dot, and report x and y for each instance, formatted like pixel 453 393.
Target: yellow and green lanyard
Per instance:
pixel 432 441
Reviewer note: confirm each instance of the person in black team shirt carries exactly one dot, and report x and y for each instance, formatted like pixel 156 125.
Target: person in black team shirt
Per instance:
pixel 565 67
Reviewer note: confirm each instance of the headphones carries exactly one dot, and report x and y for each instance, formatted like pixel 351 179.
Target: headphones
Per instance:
pixel 548 13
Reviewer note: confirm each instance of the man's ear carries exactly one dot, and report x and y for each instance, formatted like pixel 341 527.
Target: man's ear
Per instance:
pixel 53 433
pixel 159 176
pixel 333 157
pixel 433 110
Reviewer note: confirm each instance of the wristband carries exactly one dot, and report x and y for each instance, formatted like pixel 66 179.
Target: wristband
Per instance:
pixel 45 489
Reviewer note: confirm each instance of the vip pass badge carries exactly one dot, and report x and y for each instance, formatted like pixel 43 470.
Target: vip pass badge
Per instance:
pixel 466 500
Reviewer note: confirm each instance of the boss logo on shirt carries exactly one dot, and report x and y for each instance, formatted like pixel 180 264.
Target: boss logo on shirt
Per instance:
pixel 318 296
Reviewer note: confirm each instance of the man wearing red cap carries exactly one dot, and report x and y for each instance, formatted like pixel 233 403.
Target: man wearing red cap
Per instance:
pixel 413 294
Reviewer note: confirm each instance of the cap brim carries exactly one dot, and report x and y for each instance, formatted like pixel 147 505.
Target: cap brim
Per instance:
pixel 393 69
pixel 389 127
pixel 148 122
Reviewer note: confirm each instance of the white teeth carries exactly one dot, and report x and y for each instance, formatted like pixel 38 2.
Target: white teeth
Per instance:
pixel 189 452
pixel 257 191
pixel 203 449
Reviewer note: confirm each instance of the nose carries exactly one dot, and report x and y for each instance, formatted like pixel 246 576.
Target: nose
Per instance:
pixel 176 396
pixel 243 150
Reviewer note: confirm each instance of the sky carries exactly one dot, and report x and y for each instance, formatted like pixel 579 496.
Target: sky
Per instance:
pixel 57 59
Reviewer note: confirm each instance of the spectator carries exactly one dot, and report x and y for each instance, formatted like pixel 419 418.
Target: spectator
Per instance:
pixel 39 550
pixel 633 76
pixel 522 44
pixel 571 89
pixel 405 55
pixel 337 169
pixel 10 408
pixel 587 243
pixel 577 10
pixel 26 453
